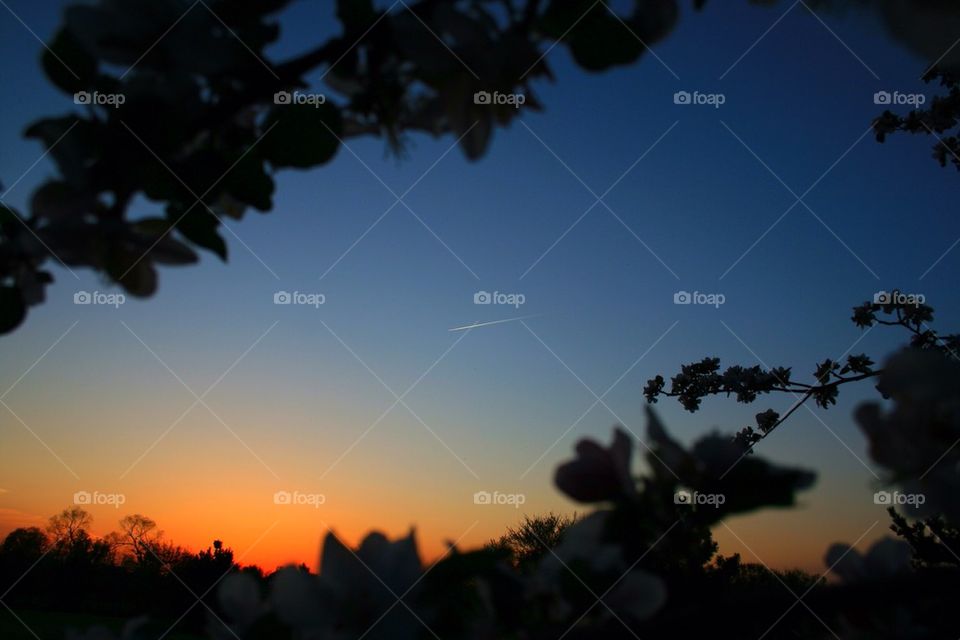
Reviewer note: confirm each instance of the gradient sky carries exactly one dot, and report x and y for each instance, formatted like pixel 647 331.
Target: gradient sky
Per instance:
pixel 94 408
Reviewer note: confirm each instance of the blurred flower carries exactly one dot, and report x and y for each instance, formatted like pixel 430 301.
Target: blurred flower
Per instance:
pixel 354 591
pixel 638 595
pixel 670 454
pixel 886 557
pixel 598 473
pixel 298 600
pixel 710 456
pixel 240 600
pixel 721 465
pixel 915 440
pixel 927 28
pixel 714 454
pixel 376 563
pixel 632 592
pixel 583 541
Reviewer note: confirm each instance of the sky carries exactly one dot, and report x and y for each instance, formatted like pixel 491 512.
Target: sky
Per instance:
pixel 201 403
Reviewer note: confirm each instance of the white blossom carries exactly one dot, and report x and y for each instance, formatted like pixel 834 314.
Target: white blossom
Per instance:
pixel 885 558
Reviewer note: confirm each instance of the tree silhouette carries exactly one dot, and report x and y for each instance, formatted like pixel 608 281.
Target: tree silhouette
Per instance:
pixel 24 546
pixel 139 536
pixel 69 526
pixel 702 379
pixel 939 120
pixel 526 543
pixel 932 539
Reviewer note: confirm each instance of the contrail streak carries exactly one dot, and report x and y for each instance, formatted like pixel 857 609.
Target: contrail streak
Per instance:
pixel 484 324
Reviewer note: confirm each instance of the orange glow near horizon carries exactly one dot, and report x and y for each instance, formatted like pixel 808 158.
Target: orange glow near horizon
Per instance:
pixel 270 536
pixel 201 481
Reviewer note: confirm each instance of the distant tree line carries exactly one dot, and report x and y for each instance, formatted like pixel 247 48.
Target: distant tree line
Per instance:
pixel 130 572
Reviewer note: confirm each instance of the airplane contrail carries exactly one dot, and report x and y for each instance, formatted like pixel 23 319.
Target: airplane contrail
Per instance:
pixel 484 324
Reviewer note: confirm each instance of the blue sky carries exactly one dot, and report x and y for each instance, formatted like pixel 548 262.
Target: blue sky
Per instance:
pixel 800 99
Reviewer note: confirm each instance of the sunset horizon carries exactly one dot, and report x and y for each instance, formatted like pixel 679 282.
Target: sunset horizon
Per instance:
pixel 539 319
